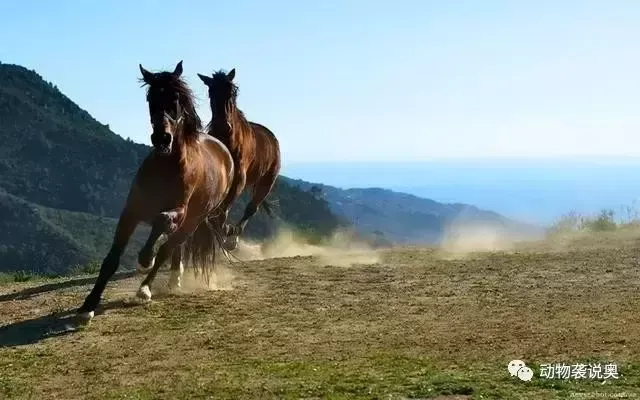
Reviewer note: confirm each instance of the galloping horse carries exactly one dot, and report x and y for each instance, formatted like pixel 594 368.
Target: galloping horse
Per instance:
pixel 255 150
pixel 178 187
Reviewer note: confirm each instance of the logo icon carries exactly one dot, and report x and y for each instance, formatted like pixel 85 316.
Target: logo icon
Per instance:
pixel 519 368
pixel 525 374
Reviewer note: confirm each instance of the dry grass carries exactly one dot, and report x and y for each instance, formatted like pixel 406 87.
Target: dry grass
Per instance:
pixel 417 324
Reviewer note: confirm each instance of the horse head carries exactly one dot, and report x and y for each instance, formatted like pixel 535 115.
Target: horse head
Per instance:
pixel 222 94
pixel 167 100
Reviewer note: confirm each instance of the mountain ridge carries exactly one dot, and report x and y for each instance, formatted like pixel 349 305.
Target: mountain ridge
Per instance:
pixel 410 218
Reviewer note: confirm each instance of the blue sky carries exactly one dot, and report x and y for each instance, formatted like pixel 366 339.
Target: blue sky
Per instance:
pixel 359 80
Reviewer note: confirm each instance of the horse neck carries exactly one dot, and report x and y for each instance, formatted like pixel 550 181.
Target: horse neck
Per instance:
pixel 192 123
pixel 219 128
pixel 240 128
pixel 186 146
pixel 233 137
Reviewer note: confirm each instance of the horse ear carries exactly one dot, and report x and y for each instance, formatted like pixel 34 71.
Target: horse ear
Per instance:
pixel 146 75
pixel 178 71
pixel 231 74
pixel 206 79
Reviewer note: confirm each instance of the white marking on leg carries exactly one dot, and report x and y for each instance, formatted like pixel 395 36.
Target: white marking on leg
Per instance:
pixel 143 270
pixel 144 293
pixel 175 277
pixel 86 316
pixel 180 274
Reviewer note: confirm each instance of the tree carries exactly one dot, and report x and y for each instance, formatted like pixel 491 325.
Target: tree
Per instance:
pixel 316 191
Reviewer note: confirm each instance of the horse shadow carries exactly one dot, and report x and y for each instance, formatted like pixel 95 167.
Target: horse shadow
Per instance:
pixel 56 324
pixel 50 287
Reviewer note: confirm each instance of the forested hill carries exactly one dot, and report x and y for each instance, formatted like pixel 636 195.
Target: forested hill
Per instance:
pixel 55 154
pixel 55 157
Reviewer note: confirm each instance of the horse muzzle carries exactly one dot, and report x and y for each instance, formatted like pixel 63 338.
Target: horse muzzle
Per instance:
pixel 162 142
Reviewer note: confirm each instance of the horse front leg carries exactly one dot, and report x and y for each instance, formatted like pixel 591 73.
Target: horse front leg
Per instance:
pixel 168 249
pixel 166 222
pixel 231 232
pixel 177 268
pixel 261 190
pixel 127 224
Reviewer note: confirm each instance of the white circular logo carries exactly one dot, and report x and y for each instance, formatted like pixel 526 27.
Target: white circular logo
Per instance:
pixel 514 366
pixel 525 374
pixel 519 368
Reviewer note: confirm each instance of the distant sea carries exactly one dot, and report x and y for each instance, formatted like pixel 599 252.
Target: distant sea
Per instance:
pixel 532 190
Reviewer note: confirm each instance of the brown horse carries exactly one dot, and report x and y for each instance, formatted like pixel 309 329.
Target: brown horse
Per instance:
pixel 255 150
pixel 181 184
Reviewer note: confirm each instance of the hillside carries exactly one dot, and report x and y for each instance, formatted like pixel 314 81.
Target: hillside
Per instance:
pixel 55 155
pixel 49 241
pixel 406 218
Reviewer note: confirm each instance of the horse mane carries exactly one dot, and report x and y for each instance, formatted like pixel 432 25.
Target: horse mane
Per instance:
pixel 240 127
pixel 192 122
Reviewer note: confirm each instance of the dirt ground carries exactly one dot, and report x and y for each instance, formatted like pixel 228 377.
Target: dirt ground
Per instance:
pixel 404 323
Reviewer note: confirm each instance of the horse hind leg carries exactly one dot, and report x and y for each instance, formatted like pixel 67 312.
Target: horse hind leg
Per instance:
pixel 226 229
pixel 260 192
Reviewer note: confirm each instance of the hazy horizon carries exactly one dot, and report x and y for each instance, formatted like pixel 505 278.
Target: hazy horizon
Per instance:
pixel 531 190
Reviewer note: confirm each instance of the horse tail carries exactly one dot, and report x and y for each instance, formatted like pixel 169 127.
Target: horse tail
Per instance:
pixel 201 248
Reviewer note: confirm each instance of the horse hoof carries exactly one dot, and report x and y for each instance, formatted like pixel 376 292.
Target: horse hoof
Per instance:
pixel 174 283
pixel 142 270
pixel 85 317
pixel 231 243
pixel 175 286
pixel 227 230
pixel 144 293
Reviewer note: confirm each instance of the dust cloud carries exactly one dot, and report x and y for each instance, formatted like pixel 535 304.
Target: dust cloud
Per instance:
pixel 461 239
pixel 222 278
pixel 340 250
